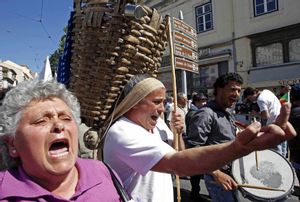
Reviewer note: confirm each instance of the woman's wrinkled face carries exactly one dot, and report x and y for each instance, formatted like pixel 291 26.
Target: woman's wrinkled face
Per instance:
pixel 149 109
pixel 46 138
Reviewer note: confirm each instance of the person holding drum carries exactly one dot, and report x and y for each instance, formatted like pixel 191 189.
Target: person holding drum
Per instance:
pixel 137 145
pixel 212 125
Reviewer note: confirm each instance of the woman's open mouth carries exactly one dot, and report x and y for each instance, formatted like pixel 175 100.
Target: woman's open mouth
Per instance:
pixel 154 118
pixel 59 148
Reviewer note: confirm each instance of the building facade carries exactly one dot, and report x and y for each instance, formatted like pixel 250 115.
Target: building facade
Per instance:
pixel 259 39
pixel 11 74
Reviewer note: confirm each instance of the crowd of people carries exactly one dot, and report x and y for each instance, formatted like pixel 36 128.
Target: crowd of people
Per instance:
pixel 39 142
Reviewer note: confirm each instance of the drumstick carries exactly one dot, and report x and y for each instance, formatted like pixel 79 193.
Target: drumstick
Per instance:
pixel 256 159
pixel 259 187
pixel 251 186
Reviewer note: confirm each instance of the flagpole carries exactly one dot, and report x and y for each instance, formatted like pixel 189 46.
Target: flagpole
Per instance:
pixel 176 136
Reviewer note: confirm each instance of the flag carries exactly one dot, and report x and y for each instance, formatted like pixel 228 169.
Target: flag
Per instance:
pixel 285 98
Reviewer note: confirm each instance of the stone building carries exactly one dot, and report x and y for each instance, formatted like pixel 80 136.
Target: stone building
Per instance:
pixel 259 39
pixel 11 74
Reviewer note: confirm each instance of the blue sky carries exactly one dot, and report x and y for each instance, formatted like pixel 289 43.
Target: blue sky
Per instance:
pixel 30 30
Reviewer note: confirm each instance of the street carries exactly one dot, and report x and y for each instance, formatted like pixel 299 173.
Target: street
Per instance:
pixel 185 188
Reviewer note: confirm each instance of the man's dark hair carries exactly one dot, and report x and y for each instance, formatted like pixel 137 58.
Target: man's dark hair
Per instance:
pixel 285 86
pixel 248 91
pixel 198 97
pixel 295 92
pixel 223 80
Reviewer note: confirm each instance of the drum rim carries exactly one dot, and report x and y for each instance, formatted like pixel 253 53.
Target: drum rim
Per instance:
pixel 251 196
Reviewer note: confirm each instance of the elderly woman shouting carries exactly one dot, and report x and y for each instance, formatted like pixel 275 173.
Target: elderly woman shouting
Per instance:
pixel 40 146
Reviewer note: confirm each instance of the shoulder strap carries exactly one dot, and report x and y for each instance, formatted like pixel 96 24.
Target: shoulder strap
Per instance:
pixel 120 189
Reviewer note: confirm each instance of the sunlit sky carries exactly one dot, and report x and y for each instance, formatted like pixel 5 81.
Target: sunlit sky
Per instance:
pixel 31 30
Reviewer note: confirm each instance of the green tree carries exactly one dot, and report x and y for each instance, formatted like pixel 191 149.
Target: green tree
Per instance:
pixel 54 57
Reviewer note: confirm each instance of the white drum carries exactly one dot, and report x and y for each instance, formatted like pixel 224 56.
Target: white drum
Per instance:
pixel 273 171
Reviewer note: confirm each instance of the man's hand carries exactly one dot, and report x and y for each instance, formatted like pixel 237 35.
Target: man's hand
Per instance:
pixel 282 121
pixel 224 180
pixel 255 137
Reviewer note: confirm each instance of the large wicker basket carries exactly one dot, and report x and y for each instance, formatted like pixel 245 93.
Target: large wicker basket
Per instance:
pixel 109 46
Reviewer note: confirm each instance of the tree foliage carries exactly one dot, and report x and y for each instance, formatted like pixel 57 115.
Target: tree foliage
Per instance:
pixel 54 57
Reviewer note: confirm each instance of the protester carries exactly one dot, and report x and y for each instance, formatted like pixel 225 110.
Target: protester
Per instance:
pixel 190 100
pixel 269 106
pixel 198 101
pixel 294 144
pixel 283 90
pixel 181 109
pixel 213 124
pixel 40 146
pixel 169 102
pixel 136 144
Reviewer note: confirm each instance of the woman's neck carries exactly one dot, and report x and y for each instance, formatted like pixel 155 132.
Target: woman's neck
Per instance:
pixel 67 188
pixel 63 186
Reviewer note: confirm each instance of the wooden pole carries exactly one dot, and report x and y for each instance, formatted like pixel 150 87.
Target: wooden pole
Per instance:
pixel 176 136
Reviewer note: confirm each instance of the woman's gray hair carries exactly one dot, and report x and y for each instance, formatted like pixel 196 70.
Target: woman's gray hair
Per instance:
pixel 16 100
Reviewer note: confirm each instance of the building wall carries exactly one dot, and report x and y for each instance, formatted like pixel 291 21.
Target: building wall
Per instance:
pixel 243 57
pixel 14 73
pixel 234 30
pixel 214 46
pixel 223 24
pixel 246 24
pixel 222 15
pixel 8 76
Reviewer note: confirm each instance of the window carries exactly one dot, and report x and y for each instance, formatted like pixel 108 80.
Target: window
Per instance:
pixel 265 6
pixel 269 54
pixel 276 47
pixel 222 67
pixel 294 50
pixel 204 19
pixel 208 75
